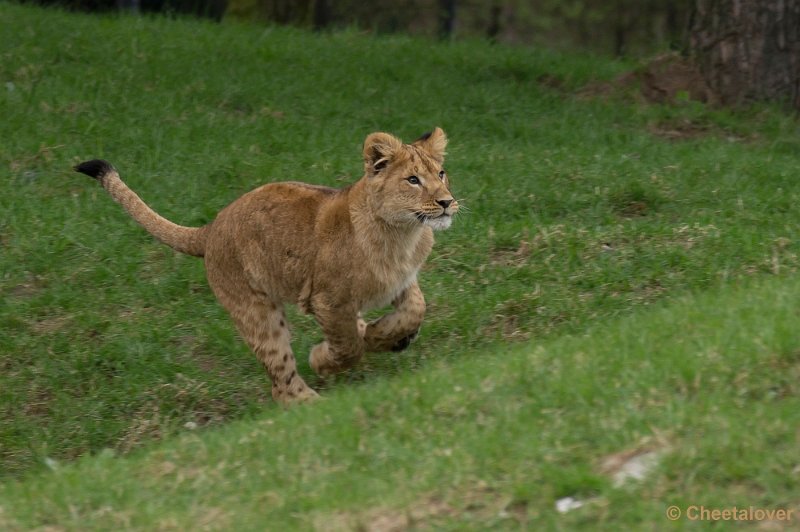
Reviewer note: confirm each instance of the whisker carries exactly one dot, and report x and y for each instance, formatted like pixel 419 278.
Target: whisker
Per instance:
pixel 462 207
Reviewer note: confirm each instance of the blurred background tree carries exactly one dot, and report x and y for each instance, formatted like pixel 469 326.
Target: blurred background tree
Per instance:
pixel 742 50
pixel 620 27
pixel 748 50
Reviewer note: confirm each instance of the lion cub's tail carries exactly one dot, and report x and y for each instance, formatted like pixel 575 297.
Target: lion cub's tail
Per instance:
pixel 189 240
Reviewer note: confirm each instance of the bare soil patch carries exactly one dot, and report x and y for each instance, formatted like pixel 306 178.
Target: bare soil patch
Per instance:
pixel 666 78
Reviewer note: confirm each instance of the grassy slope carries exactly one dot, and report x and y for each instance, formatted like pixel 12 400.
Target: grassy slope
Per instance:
pixel 578 213
pixel 491 441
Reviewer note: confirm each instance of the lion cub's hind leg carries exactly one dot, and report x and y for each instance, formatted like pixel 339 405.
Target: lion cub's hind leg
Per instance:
pixel 263 326
pixel 267 333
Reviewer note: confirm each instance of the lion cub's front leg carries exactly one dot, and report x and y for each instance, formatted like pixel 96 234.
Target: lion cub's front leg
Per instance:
pixel 396 330
pixel 344 341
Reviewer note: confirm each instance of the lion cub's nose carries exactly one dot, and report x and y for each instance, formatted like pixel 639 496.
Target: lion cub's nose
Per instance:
pixel 445 203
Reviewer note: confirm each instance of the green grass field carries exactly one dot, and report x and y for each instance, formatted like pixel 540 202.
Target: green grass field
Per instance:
pixel 623 279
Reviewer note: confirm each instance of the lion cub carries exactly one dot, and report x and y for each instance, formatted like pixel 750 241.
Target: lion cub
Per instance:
pixel 335 253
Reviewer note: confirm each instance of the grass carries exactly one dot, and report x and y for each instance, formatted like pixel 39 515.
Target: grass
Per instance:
pixel 537 356
pixel 490 442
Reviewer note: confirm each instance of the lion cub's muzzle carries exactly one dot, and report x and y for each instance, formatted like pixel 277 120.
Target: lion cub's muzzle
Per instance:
pixel 440 218
pixel 449 206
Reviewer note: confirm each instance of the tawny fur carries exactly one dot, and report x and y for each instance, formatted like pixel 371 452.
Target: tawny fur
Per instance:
pixel 334 253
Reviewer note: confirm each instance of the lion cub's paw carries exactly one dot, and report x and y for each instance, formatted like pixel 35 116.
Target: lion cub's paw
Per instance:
pixel 362 326
pixel 404 342
pixel 289 397
pixel 321 360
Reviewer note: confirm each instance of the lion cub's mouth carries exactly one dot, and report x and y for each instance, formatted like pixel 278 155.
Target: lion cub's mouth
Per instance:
pixel 441 221
pixel 422 217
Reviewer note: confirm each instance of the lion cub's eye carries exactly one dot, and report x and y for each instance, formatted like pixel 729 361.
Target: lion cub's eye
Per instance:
pixel 441 175
pixel 414 180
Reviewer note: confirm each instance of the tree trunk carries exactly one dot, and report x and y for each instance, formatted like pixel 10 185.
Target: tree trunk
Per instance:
pixel 129 5
pixel 675 30
pixel 748 50
pixel 447 18
pixel 321 16
pixel 495 11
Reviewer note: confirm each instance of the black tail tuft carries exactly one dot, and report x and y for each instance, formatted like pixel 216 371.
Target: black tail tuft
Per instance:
pixel 424 137
pixel 96 168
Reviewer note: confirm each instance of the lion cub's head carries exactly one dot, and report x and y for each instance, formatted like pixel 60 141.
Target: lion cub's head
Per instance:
pixel 406 183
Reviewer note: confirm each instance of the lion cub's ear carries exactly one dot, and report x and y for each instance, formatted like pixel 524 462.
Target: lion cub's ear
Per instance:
pixel 434 143
pixel 379 150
